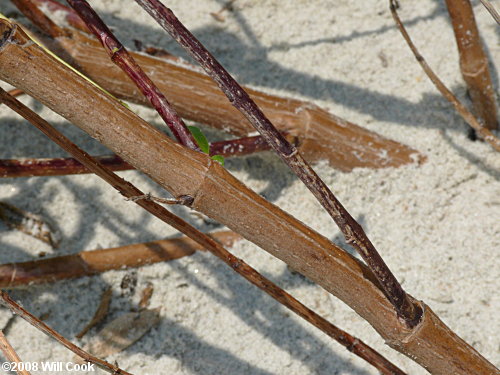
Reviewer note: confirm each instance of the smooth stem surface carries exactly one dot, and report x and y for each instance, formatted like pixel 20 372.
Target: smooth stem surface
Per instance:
pixel 120 56
pixel 239 266
pixel 352 231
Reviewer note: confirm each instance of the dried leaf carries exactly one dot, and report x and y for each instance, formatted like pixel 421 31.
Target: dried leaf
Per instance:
pixel 28 223
pixel 123 332
pixel 100 313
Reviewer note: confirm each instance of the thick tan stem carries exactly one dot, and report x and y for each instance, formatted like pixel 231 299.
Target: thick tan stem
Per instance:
pixel 218 194
pixel 322 136
pixel 473 62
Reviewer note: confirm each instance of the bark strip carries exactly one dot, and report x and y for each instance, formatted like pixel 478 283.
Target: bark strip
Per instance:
pixel 219 195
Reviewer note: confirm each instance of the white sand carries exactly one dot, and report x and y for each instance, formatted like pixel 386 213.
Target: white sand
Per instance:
pixel 436 225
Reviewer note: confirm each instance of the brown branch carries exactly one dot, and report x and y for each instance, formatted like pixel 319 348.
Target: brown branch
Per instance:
pixel 70 16
pixel 238 265
pixel 487 135
pixel 11 355
pixel 473 62
pixel 87 263
pixel 120 56
pixel 56 166
pixel 490 8
pixel 28 8
pixel 219 195
pixel 353 232
pixel 37 323
pixel 322 135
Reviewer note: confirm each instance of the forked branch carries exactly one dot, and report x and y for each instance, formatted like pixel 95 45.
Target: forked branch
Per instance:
pixel 353 232
pixel 222 197
pixel 486 134
pixel 239 266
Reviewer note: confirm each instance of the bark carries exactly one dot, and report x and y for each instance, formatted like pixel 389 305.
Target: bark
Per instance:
pixel 473 62
pixel 321 135
pixel 219 195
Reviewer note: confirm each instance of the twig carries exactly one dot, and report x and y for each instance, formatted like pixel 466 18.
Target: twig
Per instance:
pixel 11 355
pixel 321 135
pixel 42 21
pixel 238 265
pixel 71 17
pixel 87 263
pixel 352 231
pixel 10 168
pixel 37 323
pixel 490 8
pixel 56 166
pixel 487 135
pixel 120 56
pixel 218 15
pixel 473 62
pixel 15 92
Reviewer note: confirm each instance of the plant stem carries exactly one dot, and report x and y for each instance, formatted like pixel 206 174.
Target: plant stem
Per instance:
pixel 87 263
pixel 490 8
pixel 70 15
pixel 37 323
pixel 120 56
pixel 485 134
pixel 10 168
pixel 473 62
pixel 28 8
pixel 10 354
pixel 322 135
pixel 56 166
pixel 238 265
pixel 352 231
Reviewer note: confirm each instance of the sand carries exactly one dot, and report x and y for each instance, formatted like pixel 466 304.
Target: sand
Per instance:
pixel 436 225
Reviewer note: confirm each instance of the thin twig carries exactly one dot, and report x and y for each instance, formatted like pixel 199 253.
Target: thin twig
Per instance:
pixel 487 135
pixel 128 190
pixel 56 166
pixel 352 231
pixel 45 23
pixel 35 322
pixel 11 355
pixel 490 8
pixel 120 56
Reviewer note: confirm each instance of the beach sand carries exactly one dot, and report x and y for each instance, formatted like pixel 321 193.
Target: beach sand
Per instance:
pixel 437 225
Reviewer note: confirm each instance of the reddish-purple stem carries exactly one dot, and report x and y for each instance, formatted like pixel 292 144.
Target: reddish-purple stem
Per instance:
pixel 67 166
pixel 352 231
pixel 120 56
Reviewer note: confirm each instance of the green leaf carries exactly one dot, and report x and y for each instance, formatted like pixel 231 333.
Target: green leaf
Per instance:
pixel 218 158
pixel 200 139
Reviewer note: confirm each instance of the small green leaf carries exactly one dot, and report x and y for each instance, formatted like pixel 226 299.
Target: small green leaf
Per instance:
pixel 218 158
pixel 200 139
